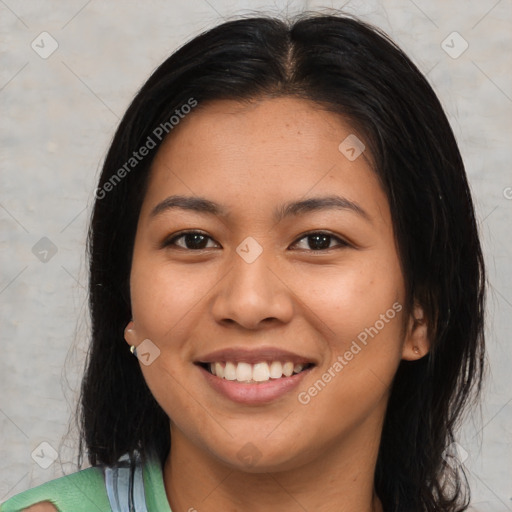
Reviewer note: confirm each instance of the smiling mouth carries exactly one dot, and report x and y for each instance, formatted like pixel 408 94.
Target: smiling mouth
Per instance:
pixel 254 373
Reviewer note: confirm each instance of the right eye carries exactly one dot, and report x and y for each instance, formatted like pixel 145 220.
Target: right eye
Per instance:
pixel 190 240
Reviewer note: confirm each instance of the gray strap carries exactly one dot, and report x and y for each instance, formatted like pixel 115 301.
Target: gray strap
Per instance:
pixel 125 486
pixel 139 498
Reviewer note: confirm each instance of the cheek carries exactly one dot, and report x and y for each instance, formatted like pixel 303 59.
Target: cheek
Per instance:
pixel 359 311
pixel 162 296
pixel 350 298
pixel 360 316
pixel 163 299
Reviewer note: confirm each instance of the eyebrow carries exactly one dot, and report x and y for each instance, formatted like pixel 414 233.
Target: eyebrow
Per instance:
pixel 291 209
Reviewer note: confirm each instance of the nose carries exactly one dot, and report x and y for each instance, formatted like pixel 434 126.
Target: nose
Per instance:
pixel 253 294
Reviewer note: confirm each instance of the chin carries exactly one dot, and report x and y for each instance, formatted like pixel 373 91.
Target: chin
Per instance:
pixel 251 459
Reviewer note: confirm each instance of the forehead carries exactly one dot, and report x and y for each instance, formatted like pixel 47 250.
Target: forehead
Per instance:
pixel 260 151
pixel 284 124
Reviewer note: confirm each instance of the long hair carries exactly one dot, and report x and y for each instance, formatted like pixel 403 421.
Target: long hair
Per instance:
pixel 352 69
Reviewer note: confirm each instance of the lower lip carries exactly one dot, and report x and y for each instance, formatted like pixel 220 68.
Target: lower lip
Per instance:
pixel 257 393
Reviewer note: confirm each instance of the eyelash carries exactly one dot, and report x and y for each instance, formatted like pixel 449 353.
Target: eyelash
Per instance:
pixel 341 243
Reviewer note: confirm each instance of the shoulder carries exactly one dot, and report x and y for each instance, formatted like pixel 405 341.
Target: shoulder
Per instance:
pixel 44 506
pixel 81 491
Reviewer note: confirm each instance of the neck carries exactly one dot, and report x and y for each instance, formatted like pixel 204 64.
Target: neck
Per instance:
pixel 340 478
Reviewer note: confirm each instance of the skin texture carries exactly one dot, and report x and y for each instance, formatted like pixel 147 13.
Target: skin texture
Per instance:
pixel 44 506
pixel 252 158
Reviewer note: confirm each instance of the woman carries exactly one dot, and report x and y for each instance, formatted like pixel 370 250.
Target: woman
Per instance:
pixel 286 285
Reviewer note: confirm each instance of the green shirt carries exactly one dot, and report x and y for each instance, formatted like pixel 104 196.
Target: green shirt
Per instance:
pixel 85 491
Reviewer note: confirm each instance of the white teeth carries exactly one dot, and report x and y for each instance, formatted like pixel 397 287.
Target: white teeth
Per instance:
pixel 219 370
pixel 276 370
pixel 243 372
pixel 298 368
pixel 259 372
pixel 230 371
pixel 288 368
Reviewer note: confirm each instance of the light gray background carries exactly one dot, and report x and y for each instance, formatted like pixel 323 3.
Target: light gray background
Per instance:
pixel 58 117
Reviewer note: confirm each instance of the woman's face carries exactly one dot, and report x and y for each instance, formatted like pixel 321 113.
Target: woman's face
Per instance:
pixel 294 266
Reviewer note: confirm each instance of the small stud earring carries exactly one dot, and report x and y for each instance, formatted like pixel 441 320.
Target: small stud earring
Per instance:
pixel 133 350
pixel 416 350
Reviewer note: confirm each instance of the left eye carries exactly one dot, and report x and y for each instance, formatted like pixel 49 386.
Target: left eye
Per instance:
pixel 321 241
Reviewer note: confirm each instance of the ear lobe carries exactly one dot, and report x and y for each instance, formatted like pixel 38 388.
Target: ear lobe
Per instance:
pixel 130 335
pixel 416 343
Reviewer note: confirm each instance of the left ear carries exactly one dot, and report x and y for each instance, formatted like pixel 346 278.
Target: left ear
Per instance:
pixel 416 343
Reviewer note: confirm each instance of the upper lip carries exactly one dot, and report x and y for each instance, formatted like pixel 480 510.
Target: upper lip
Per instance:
pixel 253 356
